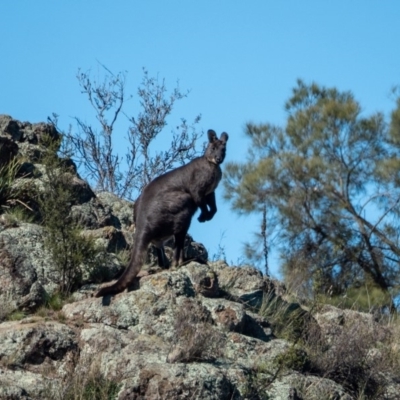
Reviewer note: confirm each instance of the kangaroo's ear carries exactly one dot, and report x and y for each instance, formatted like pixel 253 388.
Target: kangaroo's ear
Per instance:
pixel 224 137
pixel 212 136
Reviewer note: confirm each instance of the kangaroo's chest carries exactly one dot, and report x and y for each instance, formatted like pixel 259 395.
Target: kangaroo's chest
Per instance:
pixel 212 180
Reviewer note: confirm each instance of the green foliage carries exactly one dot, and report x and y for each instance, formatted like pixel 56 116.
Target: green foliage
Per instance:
pixel 95 387
pixel 17 214
pixel 287 320
pixel 294 358
pixel 264 373
pixel 123 256
pixel 258 379
pixel 195 338
pixel 348 355
pixel 16 315
pixel 364 299
pixel 395 121
pixel 52 305
pixel 70 250
pixel 85 381
pixel 8 174
pixel 330 182
pixel 55 301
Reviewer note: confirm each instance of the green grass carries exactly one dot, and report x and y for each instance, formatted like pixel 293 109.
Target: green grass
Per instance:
pixel 16 315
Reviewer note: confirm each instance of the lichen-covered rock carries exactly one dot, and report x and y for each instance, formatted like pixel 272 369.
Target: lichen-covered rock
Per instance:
pixel 200 331
pixel 33 178
pixel 35 357
pixel 98 213
pixel 27 136
pixel 165 338
pixel 200 381
pixel 334 322
pixel 25 131
pixel 10 127
pixel 27 272
pixel 35 342
pixel 122 209
pixel 108 237
pixel 195 250
pixel 25 268
pixel 306 387
pixel 8 150
pixel 245 284
pixel 22 384
pixel 204 279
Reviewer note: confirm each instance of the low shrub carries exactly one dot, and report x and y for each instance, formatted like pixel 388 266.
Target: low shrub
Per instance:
pixel 196 339
pixel 84 381
pixel 73 254
pixel 349 355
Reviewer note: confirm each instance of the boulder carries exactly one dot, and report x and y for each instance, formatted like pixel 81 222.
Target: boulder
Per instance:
pixel 201 331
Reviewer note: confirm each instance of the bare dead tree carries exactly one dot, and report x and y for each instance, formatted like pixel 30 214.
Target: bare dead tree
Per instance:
pixel 264 236
pixel 94 146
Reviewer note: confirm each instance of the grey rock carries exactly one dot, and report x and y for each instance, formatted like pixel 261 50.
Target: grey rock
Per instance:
pixel 204 279
pixel 10 127
pixel 245 284
pixel 122 209
pixel 34 341
pixel 27 136
pixel 133 339
pixel 8 150
pixel 25 268
pixel 201 331
pixel 306 387
pixel 93 214
pixel 24 385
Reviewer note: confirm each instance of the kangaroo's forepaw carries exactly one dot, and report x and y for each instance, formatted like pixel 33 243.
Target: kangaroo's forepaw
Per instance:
pixel 203 217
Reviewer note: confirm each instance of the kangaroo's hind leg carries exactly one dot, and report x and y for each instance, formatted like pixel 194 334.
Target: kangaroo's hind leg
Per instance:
pixel 178 252
pixel 181 226
pixel 161 257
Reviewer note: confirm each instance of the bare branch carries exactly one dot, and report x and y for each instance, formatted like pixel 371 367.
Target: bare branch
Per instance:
pixel 94 147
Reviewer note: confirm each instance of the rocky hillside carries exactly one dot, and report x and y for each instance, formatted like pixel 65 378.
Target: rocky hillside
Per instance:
pixel 202 331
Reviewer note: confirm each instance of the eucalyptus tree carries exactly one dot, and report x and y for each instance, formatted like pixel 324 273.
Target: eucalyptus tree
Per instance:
pixel 329 180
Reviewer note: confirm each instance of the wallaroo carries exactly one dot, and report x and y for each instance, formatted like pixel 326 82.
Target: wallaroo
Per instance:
pixel 167 204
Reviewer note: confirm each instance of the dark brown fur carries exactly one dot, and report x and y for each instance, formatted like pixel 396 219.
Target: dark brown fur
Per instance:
pixel 166 207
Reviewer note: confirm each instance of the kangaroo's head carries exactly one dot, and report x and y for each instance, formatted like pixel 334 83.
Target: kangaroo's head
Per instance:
pixel 216 149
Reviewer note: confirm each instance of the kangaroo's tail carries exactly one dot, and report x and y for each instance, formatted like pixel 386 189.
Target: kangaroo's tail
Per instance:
pixel 127 278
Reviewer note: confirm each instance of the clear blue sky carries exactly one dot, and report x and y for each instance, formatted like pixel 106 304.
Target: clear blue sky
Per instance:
pixel 240 59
